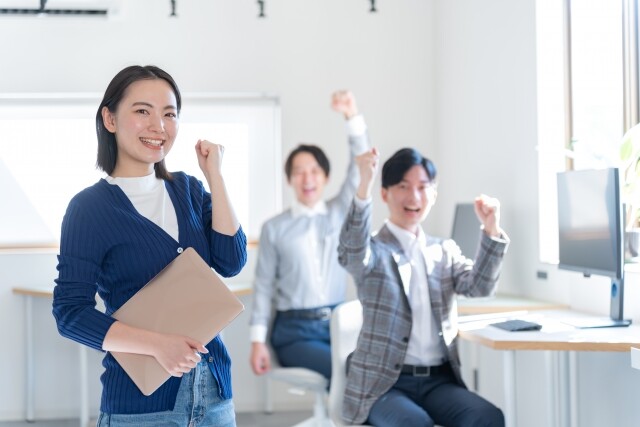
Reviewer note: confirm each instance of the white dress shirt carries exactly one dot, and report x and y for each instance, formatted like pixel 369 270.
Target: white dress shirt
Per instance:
pixel 424 343
pixel 297 265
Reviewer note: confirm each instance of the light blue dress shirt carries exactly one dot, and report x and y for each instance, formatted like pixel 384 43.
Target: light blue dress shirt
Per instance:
pixel 297 257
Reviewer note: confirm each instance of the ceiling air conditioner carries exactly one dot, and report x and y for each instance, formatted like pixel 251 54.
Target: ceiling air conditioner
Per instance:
pixel 97 8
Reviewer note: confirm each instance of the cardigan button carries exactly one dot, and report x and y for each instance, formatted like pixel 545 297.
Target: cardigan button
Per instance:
pixel 210 359
pixel 180 250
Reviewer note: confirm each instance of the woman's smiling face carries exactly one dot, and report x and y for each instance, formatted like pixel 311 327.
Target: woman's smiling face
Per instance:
pixel 145 124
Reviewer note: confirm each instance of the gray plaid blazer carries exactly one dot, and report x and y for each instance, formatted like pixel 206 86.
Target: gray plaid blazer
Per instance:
pixel 379 268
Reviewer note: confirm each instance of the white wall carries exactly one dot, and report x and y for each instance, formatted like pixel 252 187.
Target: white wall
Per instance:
pixel 454 78
pixel 486 131
pixel 300 53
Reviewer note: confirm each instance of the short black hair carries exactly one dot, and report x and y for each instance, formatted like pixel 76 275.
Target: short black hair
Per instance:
pixel 396 167
pixel 107 147
pixel 317 154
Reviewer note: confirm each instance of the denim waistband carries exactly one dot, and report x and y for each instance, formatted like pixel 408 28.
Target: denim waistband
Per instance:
pixel 318 313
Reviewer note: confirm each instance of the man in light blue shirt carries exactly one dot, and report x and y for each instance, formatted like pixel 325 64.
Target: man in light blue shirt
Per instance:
pixel 297 273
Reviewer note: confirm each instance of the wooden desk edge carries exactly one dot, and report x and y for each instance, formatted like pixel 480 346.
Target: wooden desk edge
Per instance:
pixel 503 309
pixel 547 345
pixel 238 290
pixel 34 292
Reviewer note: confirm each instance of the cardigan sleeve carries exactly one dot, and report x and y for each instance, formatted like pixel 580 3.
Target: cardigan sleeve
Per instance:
pixel 228 253
pixel 74 296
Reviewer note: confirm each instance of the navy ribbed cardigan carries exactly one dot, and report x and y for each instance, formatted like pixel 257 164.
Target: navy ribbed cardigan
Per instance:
pixel 108 247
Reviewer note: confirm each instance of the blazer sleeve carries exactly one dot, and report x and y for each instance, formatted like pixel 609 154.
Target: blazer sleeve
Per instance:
pixel 479 278
pixel 354 250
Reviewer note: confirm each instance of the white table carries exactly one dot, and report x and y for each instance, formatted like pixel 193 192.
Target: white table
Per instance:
pixel 30 292
pixel 635 357
pixel 560 343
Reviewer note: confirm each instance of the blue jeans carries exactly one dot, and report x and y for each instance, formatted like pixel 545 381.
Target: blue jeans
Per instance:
pixel 436 399
pixel 197 405
pixel 302 343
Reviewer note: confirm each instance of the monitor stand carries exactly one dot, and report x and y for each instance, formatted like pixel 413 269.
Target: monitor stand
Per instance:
pixel 616 317
pixel 595 322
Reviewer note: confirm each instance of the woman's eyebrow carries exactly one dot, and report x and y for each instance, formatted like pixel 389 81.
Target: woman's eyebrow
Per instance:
pixel 146 104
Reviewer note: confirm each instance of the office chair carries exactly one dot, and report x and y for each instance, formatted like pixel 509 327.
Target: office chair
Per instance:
pixel 301 380
pixel 346 322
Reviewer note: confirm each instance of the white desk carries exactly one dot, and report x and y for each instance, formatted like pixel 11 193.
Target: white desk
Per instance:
pixel 490 308
pixel 29 292
pixel 561 342
pixel 635 357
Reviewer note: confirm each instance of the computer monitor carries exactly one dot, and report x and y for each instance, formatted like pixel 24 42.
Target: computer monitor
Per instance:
pixel 466 229
pixel 591 233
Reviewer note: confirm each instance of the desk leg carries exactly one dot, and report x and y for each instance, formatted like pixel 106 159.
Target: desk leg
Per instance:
pixel 473 350
pixel 561 379
pixel 84 386
pixel 30 380
pixel 573 389
pixel 509 358
pixel 552 381
pixel 566 393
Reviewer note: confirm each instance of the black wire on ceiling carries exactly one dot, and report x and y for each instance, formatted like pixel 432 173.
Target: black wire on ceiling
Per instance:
pixel 261 5
pixel 262 15
pixel 43 11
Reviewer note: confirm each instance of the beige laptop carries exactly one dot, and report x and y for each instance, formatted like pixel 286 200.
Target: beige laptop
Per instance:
pixel 186 298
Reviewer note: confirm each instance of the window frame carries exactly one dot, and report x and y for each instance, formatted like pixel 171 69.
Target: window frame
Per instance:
pixel 264 152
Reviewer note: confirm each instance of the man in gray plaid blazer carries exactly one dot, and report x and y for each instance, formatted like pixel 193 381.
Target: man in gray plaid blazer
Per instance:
pixel 405 370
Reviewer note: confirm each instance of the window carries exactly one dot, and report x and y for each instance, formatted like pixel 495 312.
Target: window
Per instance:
pixel 48 153
pixel 583 92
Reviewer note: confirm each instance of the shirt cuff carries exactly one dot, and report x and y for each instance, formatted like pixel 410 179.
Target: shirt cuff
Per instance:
pixel 258 333
pixel 361 203
pixel 356 125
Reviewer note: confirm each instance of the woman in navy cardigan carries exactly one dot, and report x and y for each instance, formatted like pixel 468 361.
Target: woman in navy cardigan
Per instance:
pixel 120 232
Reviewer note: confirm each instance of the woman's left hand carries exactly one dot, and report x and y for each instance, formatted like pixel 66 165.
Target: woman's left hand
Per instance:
pixel 209 157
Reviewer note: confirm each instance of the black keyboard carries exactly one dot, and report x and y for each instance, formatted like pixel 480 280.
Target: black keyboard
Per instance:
pixel 517 325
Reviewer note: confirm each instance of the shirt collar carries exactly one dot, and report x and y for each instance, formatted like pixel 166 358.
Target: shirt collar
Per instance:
pixel 298 209
pixel 407 239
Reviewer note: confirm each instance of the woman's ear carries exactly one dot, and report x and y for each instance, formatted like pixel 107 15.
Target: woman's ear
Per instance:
pixel 109 120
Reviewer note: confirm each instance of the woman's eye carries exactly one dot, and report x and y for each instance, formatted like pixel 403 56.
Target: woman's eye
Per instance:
pixel 172 115
pixel 142 111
